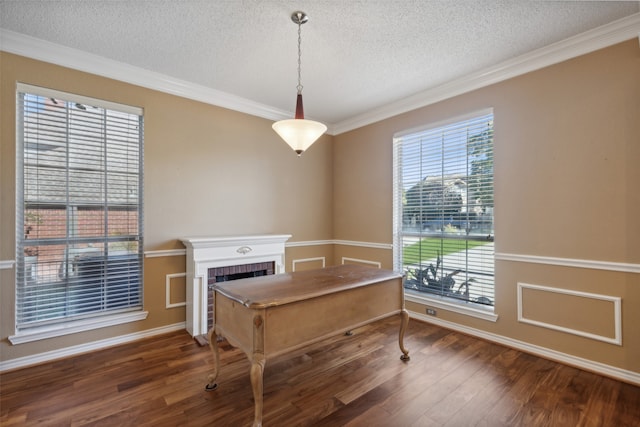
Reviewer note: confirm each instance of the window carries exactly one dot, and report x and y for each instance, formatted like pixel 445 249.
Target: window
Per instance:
pixel 79 209
pixel 443 211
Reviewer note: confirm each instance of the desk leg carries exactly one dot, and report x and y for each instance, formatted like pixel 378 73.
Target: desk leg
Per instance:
pixel 257 372
pixel 404 315
pixel 257 368
pixel 213 344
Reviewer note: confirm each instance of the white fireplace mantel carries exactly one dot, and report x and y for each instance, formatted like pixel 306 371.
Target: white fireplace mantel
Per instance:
pixel 205 252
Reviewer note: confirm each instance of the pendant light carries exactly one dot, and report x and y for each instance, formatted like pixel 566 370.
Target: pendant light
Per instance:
pixel 299 133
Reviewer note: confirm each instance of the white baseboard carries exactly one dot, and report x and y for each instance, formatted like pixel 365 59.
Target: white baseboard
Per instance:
pixel 48 356
pixel 589 365
pixel 578 362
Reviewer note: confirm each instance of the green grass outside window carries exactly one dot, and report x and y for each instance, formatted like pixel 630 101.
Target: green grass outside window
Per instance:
pixel 429 248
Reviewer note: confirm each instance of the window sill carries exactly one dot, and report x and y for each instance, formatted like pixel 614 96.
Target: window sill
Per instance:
pixel 452 305
pixel 46 332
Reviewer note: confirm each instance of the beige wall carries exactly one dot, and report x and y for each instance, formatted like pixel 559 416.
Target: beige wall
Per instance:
pixel 567 145
pixel 567 177
pixel 208 171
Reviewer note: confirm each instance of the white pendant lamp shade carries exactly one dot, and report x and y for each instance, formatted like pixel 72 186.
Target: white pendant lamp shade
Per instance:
pixel 299 133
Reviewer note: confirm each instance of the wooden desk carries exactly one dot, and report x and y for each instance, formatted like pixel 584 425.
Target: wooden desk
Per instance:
pixel 271 315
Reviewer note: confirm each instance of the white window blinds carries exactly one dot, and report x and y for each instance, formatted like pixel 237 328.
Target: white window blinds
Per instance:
pixel 443 210
pixel 79 214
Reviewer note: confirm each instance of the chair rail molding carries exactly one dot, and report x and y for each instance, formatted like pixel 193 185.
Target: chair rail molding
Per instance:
pixel 569 262
pixel 7 264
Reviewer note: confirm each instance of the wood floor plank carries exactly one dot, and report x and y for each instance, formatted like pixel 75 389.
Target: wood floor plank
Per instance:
pixel 627 408
pixel 490 384
pixel 451 380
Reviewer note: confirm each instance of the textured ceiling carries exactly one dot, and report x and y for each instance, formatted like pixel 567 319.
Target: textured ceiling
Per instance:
pixel 356 55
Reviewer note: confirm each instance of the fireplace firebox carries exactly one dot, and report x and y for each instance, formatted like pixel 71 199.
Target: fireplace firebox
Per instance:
pixel 230 257
pixel 233 272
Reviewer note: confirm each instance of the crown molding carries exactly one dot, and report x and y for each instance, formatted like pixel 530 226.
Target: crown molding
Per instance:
pixel 42 50
pixel 609 34
pixel 606 35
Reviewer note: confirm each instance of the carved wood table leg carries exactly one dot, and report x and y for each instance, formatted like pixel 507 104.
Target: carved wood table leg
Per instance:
pixel 257 368
pixel 302 308
pixel 213 344
pixel 404 315
pixel 257 372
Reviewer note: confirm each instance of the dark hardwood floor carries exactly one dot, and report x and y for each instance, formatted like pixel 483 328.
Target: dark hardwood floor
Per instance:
pixel 451 380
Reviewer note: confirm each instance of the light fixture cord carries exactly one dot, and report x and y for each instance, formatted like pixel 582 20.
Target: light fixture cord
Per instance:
pixel 299 87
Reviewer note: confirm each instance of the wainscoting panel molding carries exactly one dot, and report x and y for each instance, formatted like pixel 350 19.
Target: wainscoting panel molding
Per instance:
pixel 168 298
pixel 614 302
pixel 347 260
pixel 295 262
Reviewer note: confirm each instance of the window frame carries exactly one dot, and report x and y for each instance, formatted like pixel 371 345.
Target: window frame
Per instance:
pixel 95 318
pixel 431 300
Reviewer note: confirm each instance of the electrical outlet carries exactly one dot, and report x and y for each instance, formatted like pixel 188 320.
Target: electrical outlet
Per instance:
pixel 431 312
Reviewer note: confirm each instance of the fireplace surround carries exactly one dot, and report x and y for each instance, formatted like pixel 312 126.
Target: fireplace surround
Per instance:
pixel 208 256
